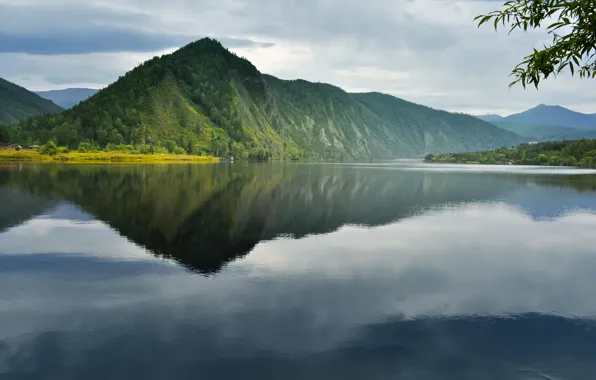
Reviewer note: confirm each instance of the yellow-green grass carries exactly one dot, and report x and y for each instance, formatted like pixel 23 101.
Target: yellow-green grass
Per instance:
pixel 104 157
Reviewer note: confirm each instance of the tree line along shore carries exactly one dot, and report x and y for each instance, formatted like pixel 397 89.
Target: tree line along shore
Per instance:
pixel 579 153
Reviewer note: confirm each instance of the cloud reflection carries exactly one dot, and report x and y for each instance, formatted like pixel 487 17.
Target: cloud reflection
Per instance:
pixel 474 291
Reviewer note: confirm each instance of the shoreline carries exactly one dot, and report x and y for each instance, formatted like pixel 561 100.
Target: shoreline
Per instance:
pixel 28 156
pixel 503 164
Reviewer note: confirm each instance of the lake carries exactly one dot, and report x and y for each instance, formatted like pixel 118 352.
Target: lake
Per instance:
pixel 396 270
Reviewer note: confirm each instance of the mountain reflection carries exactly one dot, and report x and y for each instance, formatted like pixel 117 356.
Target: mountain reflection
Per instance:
pixel 469 291
pixel 206 216
pixel 397 274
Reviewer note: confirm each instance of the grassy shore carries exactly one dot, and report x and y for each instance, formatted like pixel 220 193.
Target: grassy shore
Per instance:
pixel 103 157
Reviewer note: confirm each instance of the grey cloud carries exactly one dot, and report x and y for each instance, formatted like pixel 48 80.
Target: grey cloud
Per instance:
pixel 68 29
pixel 92 41
pixel 408 299
pixel 381 24
pixel 243 43
pixel 35 71
pixel 431 50
pixel 114 40
pixel 85 28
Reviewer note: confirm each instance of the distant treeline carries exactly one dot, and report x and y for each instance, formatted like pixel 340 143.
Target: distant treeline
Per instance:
pixel 580 153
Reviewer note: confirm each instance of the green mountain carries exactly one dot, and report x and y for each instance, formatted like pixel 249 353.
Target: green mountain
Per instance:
pixel 69 97
pixel 205 99
pixel 17 103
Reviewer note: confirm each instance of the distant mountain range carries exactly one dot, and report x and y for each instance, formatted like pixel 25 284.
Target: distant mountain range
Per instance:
pixel 491 117
pixel 17 103
pixel 205 99
pixel 68 97
pixel 547 122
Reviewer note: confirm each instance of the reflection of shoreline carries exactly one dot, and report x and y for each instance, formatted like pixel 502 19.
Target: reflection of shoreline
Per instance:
pixel 8 167
pixel 204 217
pixel 17 207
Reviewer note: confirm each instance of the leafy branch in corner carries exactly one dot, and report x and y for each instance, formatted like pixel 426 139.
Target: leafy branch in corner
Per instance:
pixel 572 25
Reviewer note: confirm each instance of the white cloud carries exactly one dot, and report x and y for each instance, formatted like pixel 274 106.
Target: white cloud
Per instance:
pixel 426 51
pixel 472 266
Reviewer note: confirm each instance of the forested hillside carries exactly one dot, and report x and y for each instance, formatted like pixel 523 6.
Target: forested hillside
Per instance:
pixel 204 99
pixel 581 153
pixel 17 103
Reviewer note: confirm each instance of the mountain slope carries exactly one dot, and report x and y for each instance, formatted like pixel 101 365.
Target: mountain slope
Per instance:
pixel 68 97
pixel 17 103
pixel 554 115
pixel 204 98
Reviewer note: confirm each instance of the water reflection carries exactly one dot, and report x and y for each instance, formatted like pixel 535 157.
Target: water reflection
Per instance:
pixel 409 275
pixel 204 217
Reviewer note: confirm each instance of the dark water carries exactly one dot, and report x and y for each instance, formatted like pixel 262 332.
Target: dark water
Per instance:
pixel 398 271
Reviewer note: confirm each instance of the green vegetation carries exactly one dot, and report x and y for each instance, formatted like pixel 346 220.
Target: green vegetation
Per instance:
pixel 581 153
pixel 572 24
pixel 203 99
pixel 17 103
pixel 122 154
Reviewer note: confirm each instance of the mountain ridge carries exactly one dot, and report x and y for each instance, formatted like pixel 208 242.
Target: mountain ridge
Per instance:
pixel 205 99
pixel 543 114
pixel 490 117
pixel 68 97
pixel 17 103
pixel 547 123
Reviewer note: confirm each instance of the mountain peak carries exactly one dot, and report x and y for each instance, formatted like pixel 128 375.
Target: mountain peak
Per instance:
pixel 554 115
pixel 204 45
pixel 543 106
pixel 203 98
pixel 206 42
pixel 213 48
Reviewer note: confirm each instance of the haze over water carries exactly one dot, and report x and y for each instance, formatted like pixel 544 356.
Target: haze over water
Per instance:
pixel 290 271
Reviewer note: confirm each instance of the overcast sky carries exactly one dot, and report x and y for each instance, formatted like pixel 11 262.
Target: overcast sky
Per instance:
pixel 426 51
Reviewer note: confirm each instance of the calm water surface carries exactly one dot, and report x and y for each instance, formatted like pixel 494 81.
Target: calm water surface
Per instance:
pixel 297 271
